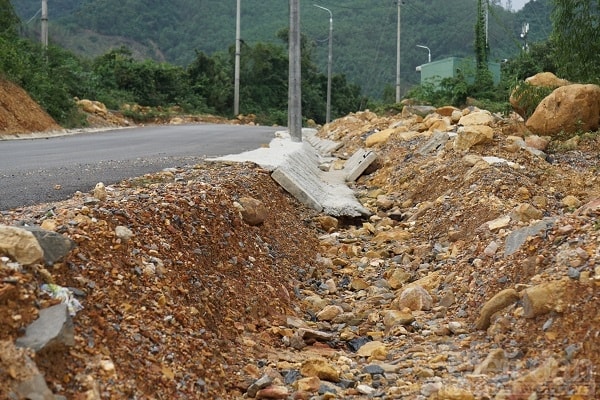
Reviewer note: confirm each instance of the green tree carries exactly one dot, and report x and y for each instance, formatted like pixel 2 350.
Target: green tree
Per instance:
pixel 9 21
pixel 211 82
pixel 539 58
pixel 576 35
pixel 483 76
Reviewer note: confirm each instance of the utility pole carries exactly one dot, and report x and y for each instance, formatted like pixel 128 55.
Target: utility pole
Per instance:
pixel 486 4
pixel 329 63
pixel 398 57
pixel 44 35
pixel 236 90
pixel 294 82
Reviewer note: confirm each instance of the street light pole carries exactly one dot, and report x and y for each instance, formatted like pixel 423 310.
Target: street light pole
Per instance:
pixel 428 51
pixel 329 63
pixel 236 90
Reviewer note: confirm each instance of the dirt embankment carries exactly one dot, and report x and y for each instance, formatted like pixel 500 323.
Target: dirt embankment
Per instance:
pixel 20 114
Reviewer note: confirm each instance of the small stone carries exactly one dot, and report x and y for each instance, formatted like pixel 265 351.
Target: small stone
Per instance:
pixel 107 366
pixel 365 389
pixel 383 202
pixel 526 212
pixel 313 334
pixel 573 273
pixel 253 211
pixel 415 298
pixel 310 384
pixel 321 369
pixel 422 372
pixel 100 191
pixel 328 223
pixel 124 233
pixel 357 343
pixel 331 286
pixel 397 317
pixel 571 202
pixel 454 393
pixel 397 278
pixel 456 327
pixel 491 249
pixel 447 299
pixel 542 374
pixel 315 303
pixel 548 324
pixel 472 135
pixel 259 384
pixel 359 284
pixel 543 298
pixel 482 117
pixel 373 369
pixel 493 363
pixel 536 142
pixel 273 392
pixel 374 349
pixel 430 388
pixel 498 223
pixel 329 313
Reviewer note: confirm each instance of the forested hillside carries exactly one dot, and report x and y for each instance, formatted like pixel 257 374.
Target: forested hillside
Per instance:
pixel 364 41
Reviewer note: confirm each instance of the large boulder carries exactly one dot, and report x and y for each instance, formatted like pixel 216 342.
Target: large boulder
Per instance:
pixel 547 79
pixel 20 245
pixel 525 98
pixel 567 110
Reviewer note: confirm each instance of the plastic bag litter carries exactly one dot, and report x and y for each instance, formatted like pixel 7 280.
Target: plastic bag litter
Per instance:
pixel 64 295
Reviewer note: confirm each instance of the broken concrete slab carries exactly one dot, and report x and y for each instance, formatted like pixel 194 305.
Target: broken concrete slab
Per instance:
pixel 295 167
pixel 322 191
pixel 358 163
pixel 325 147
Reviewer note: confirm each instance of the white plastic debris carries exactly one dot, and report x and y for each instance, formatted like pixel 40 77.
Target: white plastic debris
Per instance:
pixel 64 295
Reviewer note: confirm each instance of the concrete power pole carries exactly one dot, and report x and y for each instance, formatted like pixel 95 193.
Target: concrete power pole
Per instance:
pixel 329 63
pixel 294 82
pixel 398 57
pixel 236 90
pixel 45 24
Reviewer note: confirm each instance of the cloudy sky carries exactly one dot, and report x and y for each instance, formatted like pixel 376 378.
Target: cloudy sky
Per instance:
pixel 518 4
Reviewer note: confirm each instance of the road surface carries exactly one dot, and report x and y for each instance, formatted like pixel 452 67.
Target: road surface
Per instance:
pixel 54 168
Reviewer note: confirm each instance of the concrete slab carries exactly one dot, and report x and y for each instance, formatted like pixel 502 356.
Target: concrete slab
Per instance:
pixel 322 191
pixel 269 157
pixel 295 167
pixel 325 147
pixel 358 163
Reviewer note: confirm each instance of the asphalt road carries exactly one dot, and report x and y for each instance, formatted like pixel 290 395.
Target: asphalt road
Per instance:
pixel 32 170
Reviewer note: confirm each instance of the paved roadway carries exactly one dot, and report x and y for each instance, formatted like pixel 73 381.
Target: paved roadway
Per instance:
pixel 32 169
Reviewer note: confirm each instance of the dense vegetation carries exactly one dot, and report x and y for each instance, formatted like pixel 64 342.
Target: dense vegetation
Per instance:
pixel 55 76
pixel 193 54
pixel 364 33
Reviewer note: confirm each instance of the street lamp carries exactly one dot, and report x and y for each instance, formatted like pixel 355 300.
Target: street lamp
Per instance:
pixel 428 51
pixel 329 62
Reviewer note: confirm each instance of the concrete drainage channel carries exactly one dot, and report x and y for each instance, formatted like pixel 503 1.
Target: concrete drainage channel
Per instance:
pixel 300 168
